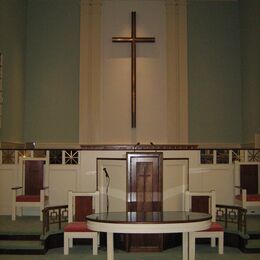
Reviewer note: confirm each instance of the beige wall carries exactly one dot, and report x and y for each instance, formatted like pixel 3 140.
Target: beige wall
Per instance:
pixel 105 78
pixel 150 76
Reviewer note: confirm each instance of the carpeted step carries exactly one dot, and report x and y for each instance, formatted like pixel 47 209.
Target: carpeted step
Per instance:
pixel 19 236
pixel 21 247
pixel 253 245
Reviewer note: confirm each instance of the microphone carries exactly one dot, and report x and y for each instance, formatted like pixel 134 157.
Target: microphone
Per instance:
pixel 136 145
pixel 151 143
pixel 106 173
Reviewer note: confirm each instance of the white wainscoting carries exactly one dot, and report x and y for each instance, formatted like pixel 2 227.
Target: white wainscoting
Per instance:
pixel 62 179
pixel 117 184
pixel 175 182
pixel 214 177
pixel 7 181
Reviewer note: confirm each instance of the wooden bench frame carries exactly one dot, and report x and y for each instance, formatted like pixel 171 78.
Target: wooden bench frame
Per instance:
pixel 244 200
pixel 69 236
pixel 43 200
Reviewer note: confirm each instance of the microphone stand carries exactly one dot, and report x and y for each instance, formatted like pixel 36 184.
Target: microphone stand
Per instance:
pixel 107 186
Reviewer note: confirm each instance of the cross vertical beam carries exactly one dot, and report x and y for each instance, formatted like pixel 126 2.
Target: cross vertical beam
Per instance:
pixel 133 40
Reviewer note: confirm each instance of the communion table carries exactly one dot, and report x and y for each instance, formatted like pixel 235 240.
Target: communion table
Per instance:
pixel 149 222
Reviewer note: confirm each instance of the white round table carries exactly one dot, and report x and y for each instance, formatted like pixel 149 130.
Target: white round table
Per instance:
pixel 148 222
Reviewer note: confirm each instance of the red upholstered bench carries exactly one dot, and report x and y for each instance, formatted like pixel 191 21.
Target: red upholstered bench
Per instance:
pixel 77 227
pixel 214 227
pixel 249 197
pixel 80 204
pixel 247 200
pixel 193 202
pixel 29 198
pixel 38 201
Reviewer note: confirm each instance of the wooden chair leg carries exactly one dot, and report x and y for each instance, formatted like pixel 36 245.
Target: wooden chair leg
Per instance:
pixel 70 242
pixel 95 244
pixel 13 212
pixel 13 205
pixel 221 244
pixel 66 244
pixel 192 246
pixel 212 241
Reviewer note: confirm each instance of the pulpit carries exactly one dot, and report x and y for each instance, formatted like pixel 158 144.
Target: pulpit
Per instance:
pixel 144 193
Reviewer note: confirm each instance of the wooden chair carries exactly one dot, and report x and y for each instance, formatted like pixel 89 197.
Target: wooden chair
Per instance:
pixel 247 191
pixel 80 204
pixel 204 202
pixel 246 200
pixel 32 192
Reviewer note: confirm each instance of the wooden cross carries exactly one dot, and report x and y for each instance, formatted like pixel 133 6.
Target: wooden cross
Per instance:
pixel 133 40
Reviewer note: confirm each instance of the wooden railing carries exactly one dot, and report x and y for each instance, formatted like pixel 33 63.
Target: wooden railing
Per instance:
pixel 53 217
pixel 234 217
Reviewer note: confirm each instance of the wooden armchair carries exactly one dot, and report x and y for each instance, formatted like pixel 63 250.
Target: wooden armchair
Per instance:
pixel 204 202
pixel 247 190
pixel 80 204
pixel 33 192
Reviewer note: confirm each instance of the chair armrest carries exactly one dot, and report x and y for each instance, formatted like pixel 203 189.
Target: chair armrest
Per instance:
pixel 238 187
pixel 16 188
pixel 45 188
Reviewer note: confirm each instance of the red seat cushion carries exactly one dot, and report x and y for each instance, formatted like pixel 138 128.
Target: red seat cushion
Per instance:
pixel 28 198
pixel 249 197
pixel 214 227
pixel 77 227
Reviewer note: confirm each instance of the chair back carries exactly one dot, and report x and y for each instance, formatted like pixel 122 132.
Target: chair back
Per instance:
pixel 82 204
pixel 33 177
pixel 204 202
pixel 32 174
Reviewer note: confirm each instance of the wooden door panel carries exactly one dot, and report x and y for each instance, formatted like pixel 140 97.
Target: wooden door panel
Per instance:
pixel 34 171
pixel 144 188
pixel 145 242
pixel 249 178
pixel 144 195
pixel 83 207
pixel 200 204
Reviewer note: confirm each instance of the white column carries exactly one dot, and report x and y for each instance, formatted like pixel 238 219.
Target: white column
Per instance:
pixel 177 71
pixel 90 71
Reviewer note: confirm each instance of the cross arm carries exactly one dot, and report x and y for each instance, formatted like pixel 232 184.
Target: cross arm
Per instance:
pixel 122 39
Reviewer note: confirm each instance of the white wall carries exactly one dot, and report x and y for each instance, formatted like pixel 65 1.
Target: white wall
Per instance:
pixel 214 177
pixel 83 177
pixel 175 183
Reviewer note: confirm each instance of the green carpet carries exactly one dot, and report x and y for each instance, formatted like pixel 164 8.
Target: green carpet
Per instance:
pixel 32 225
pixel 20 244
pixel 203 252
pixel 23 225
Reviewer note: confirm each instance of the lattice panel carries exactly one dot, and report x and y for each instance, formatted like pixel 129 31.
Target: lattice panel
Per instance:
pixel 39 153
pixel 71 157
pixel 206 156
pixel 236 155
pixel 8 157
pixel 222 156
pixel 55 156
pixel 254 155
